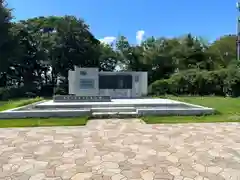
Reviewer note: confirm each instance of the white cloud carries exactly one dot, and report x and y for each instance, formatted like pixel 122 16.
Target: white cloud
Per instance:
pixel 139 36
pixel 107 39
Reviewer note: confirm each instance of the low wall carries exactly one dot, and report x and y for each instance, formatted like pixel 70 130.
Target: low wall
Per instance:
pixel 43 114
pixel 73 98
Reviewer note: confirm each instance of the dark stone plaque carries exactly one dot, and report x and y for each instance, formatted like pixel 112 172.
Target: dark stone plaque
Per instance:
pixel 73 98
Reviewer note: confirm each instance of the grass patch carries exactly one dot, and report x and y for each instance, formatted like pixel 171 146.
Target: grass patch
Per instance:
pixel 228 110
pixel 11 104
pixel 43 122
pixel 224 105
pixel 36 122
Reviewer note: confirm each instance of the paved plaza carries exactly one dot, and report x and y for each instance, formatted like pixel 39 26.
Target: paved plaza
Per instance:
pixel 121 150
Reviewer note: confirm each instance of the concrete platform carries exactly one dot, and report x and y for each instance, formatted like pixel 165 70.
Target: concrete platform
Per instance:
pixel 117 107
pixel 154 102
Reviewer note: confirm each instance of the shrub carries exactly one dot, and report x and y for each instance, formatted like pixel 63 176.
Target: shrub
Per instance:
pixel 160 87
pixel 60 91
pixel 4 94
pixel 232 82
pixel 11 92
pixel 222 82
pixel 46 90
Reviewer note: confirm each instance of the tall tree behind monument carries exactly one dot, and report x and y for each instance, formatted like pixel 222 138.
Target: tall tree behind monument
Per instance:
pixel 5 41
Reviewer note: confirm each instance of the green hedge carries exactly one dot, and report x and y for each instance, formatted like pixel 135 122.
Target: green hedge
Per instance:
pixel 7 93
pixel 224 82
pixel 11 92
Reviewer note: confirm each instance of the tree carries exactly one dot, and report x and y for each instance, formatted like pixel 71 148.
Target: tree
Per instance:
pixel 125 52
pixel 131 56
pixel 28 64
pixel 36 55
pixel 153 55
pixel 5 25
pixel 63 42
pixel 75 46
pixel 5 41
pixel 193 53
pixel 108 58
pixel 158 57
pixel 223 50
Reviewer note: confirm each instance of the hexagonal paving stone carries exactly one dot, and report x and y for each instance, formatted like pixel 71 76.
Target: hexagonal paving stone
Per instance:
pixel 121 150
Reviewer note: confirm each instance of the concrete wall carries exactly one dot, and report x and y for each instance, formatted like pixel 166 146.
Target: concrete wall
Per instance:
pixel 74 81
pixel 70 82
pixel 144 83
pixel 139 87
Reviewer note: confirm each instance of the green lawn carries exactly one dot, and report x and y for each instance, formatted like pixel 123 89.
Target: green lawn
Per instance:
pixel 228 110
pixel 36 122
pixel 11 104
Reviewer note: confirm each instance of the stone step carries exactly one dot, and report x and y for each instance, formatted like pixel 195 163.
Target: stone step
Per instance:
pixel 114 114
pixel 44 113
pixel 175 111
pixel 108 105
pixel 113 109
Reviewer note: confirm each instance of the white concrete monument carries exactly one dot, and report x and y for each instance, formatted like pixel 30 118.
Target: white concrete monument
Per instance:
pixel 92 82
pixel 91 94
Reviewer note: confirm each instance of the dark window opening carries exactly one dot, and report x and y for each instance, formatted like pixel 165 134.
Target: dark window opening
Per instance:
pixel 115 82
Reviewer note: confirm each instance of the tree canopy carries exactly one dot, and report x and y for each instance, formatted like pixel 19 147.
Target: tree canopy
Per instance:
pixel 36 54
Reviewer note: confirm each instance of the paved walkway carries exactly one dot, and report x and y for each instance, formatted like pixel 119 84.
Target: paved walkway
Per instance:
pixel 121 150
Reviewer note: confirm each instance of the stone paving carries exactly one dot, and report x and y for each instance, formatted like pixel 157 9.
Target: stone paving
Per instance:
pixel 121 150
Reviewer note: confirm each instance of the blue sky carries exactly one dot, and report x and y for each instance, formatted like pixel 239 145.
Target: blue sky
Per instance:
pixel 110 18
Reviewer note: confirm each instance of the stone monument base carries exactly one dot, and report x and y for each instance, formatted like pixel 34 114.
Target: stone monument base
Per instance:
pixel 114 108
